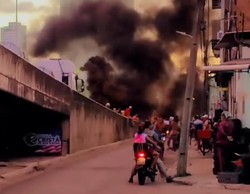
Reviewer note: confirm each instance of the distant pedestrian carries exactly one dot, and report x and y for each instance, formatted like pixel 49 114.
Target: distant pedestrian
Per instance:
pixel 107 105
pixel 128 111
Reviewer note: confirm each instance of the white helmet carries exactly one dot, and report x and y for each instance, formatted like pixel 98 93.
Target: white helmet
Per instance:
pixel 205 116
pixel 227 114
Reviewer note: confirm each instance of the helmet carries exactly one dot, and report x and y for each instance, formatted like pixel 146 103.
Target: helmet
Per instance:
pixel 205 116
pixel 226 114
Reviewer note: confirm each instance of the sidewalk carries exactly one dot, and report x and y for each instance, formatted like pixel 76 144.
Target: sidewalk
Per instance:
pixel 202 177
pixel 20 166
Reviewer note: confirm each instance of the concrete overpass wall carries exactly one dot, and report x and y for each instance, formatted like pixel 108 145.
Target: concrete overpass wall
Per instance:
pixel 92 125
pixel 22 79
pixel 87 123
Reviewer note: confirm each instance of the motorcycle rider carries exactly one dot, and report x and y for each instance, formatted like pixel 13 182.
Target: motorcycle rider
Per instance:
pixel 153 132
pixel 198 124
pixel 140 140
pixel 159 163
pixel 162 168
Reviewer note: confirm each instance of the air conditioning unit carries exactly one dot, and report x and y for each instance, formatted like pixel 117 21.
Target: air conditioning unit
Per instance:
pixel 216 51
pixel 220 35
pixel 216 4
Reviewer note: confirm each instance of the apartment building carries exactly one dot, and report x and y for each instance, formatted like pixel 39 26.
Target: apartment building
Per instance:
pixel 232 73
pixel 14 38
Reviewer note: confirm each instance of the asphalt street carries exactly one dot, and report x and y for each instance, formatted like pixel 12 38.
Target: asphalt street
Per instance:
pixel 104 172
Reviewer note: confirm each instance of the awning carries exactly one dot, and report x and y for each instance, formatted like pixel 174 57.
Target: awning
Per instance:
pixel 235 65
pixel 229 39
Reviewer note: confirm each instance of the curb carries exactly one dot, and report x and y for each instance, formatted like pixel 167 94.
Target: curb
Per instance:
pixel 239 187
pixel 42 165
pixel 208 185
pixel 20 172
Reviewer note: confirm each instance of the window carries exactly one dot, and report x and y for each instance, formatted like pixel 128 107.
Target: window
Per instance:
pixel 216 4
pixel 65 78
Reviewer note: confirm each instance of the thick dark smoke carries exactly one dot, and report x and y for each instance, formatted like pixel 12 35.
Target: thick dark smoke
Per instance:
pixel 140 62
pixel 181 19
pixel 167 22
pixel 179 90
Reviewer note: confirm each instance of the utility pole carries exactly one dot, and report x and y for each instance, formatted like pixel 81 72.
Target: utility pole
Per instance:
pixel 16 11
pixel 188 101
pixel 17 43
pixel 206 78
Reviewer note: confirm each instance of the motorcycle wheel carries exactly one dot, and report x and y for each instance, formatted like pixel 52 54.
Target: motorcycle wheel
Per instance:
pixel 204 149
pixel 141 177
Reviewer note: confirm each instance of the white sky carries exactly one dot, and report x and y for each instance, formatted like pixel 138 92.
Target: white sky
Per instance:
pixel 24 17
pixel 27 18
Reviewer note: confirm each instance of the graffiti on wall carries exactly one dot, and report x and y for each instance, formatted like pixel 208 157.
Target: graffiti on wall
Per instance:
pixel 47 143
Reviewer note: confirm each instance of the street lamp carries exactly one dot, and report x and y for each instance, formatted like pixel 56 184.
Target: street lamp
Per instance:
pixel 184 34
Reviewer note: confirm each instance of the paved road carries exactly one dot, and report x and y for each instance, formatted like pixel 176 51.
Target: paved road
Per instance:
pixel 101 173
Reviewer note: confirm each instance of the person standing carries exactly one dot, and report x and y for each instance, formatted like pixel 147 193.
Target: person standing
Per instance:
pixel 175 132
pixel 224 142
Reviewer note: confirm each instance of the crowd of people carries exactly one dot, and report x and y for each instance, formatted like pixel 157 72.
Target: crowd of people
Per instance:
pixel 126 113
pixel 227 139
pixel 221 136
pixel 224 137
pixel 151 131
pixel 222 131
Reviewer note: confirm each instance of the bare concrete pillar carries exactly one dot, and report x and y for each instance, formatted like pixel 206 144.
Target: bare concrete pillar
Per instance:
pixel 65 136
pixel 73 122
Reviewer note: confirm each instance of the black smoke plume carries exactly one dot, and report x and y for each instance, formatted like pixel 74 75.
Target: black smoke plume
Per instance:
pixel 140 62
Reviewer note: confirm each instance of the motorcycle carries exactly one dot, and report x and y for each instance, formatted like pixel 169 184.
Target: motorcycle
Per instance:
pixel 143 163
pixel 163 137
pixel 205 141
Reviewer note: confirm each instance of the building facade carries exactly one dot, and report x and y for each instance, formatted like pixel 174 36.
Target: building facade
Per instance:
pixel 214 92
pixel 14 37
pixel 232 73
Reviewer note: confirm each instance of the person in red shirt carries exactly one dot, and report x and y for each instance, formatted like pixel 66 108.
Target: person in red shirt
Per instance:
pixel 128 111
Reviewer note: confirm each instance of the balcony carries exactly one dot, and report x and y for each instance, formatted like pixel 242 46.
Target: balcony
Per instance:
pixel 233 39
